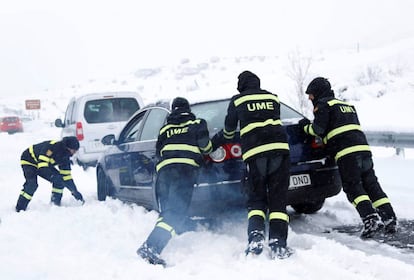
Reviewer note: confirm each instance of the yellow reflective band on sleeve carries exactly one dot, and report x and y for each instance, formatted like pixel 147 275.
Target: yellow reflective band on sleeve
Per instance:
pixel 64 172
pixel 380 202
pixel 52 161
pixel 228 134
pixel 360 199
pixel 279 216
pixel 340 130
pixel 167 227
pixel 254 97
pixel 208 147
pixel 264 148
pixel 335 101
pixel 252 126
pixel 56 190
pixel 25 162
pixel 180 147
pixel 309 130
pixel 44 158
pixel 42 164
pixel 26 195
pixel 176 160
pixel 353 149
pixel 32 153
pixel 256 213
pixel 67 177
pixel 179 125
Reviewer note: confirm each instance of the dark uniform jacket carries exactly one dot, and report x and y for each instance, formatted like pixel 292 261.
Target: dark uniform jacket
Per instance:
pixel 184 139
pixel 337 123
pixel 261 131
pixel 44 156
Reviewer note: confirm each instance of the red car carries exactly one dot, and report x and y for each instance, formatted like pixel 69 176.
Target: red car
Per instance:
pixel 11 124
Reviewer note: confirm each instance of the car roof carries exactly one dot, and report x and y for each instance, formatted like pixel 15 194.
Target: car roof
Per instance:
pixel 166 103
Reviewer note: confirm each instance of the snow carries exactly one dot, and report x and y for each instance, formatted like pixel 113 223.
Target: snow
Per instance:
pixel 98 240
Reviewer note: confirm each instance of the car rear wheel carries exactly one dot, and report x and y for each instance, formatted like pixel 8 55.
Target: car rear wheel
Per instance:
pixel 104 185
pixel 308 207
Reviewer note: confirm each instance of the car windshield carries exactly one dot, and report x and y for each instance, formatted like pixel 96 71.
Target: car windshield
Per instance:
pixel 214 113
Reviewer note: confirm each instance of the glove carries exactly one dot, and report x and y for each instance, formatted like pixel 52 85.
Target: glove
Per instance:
pixel 303 122
pixel 218 139
pixel 78 196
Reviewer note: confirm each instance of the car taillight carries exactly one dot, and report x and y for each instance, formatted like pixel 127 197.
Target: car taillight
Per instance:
pixel 79 131
pixel 225 152
pixel 317 143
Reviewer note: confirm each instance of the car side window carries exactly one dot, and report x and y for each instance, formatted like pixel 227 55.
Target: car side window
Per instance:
pixel 69 114
pixel 133 128
pixel 153 123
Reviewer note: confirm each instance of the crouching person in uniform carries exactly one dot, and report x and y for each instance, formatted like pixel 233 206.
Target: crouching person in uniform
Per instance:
pixel 265 150
pixel 180 147
pixel 39 160
pixel 337 123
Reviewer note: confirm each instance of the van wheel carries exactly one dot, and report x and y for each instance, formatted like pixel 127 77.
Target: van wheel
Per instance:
pixel 308 207
pixel 104 187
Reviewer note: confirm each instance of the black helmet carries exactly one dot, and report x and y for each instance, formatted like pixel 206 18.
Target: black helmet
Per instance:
pixel 248 80
pixel 180 103
pixel 71 142
pixel 319 87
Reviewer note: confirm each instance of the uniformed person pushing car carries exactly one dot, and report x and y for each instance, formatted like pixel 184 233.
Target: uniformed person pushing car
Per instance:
pixel 337 123
pixel 39 160
pixel 181 143
pixel 265 150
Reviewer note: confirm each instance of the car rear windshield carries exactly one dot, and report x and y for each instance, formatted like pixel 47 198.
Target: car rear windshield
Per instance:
pixel 110 110
pixel 11 119
pixel 214 113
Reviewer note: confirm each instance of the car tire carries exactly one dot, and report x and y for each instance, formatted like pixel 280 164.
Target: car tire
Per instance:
pixel 308 207
pixel 103 186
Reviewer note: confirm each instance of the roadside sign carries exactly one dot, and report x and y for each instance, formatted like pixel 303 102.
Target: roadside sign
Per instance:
pixel 32 104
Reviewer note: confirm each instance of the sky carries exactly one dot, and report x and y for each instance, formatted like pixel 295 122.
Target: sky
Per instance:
pixel 50 44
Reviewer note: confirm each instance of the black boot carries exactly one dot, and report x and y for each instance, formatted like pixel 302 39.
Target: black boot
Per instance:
pixel 372 225
pixel 256 242
pixel 388 217
pixel 56 198
pixel 22 203
pixel 150 255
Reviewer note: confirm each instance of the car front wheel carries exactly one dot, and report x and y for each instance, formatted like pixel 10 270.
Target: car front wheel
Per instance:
pixel 308 207
pixel 104 185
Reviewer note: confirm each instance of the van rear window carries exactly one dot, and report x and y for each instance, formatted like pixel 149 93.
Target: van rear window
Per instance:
pixel 110 110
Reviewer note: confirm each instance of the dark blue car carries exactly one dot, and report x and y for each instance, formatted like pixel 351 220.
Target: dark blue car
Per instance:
pixel 126 170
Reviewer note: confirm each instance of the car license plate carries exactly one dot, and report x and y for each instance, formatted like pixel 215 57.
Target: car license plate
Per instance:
pixel 299 180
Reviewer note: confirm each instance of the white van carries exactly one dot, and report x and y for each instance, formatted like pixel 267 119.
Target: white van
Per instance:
pixel 91 116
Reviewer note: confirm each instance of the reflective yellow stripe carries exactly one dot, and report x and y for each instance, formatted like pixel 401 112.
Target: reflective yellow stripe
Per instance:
pixel 167 227
pixel 25 162
pixel 252 126
pixel 53 142
pixel 42 164
pixel 180 147
pixel 360 199
pixel 67 177
pixel 32 153
pixel 208 147
pixel 44 158
pixel 176 160
pixel 353 149
pixel 64 172
pixel 56 190
pixel 256 213
pixel 228 134
pixel 279 215
pixel 335 101
pixel 264 148
pixel 340 130
pixel 254 97
pixel 178 125
pixel 26 195
pixel 52 161
pixel 380 202
pixel 309 130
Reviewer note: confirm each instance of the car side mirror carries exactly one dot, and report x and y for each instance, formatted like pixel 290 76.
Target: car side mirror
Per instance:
pixel 108 139
pixel 59 123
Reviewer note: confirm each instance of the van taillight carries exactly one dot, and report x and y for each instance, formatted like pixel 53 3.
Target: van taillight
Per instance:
pixel 79 131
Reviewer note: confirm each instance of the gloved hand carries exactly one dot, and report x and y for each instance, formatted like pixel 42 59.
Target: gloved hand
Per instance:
pixel 303 122
pixel 78 196
pixel 218 139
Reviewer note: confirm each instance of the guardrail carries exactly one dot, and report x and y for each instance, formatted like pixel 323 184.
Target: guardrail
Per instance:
pixel 397 140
